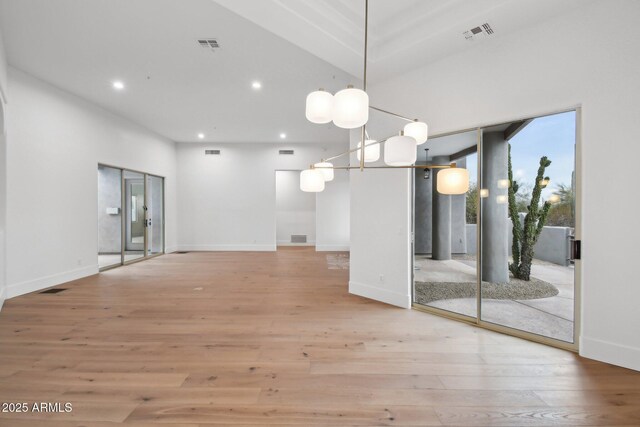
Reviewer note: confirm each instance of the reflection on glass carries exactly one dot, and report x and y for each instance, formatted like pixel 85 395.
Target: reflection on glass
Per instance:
pixel 109 217
pixel 135 215
pixel 445 229
pixel 528 281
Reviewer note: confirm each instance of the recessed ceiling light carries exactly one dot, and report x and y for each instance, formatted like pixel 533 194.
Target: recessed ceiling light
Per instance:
pixel 283 135
pixel 201 135
pixel 256 85
pixel 118 85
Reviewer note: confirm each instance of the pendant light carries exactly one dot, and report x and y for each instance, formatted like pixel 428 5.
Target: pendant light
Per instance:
pixel 371 151
pixel 311 181
pixel 453 181
pixel 350 108
pixel 319 108
pixel 326 169
pixel 418 131
pixel 400 151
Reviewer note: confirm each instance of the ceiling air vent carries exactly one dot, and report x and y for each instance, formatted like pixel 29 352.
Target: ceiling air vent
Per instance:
pixel 285 152
pixel 209 44
pixel 212 152
pixel 479 32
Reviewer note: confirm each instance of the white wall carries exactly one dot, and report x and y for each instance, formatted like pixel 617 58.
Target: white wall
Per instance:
pixel 3 70
pixel 3 168
pixel 380 226
pixel 333 214
pixel 295 209
pixel 55 142
pixel 228 202
pixel 553 66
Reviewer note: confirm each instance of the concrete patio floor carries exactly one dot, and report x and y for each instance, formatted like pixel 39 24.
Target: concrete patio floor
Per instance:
pixel 549 317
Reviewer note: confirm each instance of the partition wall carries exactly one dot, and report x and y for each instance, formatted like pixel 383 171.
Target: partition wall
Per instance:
pixel 130 216
pixel 505 254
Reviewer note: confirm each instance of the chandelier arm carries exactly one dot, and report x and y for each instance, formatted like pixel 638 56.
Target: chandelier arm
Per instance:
pixel 393 114
pixel 364 77
pixel 353 150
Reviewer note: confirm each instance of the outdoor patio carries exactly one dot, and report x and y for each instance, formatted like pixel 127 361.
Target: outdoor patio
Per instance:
pixel 550 316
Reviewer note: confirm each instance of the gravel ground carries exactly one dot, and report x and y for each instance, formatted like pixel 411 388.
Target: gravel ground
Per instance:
pixel 516 289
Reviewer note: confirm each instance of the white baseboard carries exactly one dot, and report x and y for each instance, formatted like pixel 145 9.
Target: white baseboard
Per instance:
pixel 3 295
pixel 378 294
pixel 605 351
pixel 230 248
pixel 17 289
pixel 170 249
pixel 332 248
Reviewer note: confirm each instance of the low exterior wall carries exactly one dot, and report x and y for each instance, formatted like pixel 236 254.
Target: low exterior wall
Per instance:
pixel 552 245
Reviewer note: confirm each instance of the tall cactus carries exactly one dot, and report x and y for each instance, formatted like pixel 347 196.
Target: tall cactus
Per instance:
pixel 525 235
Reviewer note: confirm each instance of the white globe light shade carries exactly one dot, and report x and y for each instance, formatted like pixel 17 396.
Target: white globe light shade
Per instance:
pixel 350 108
pixel 326 169
pixel 319 107
pixel 400 151
pixel 311 181
pixel 453 181
pixel 418 131
pixel 371 151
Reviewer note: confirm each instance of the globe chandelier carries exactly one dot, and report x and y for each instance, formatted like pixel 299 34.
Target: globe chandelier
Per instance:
pixel 349 109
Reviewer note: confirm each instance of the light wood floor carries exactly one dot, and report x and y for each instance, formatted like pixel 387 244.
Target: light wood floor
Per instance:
pixel 275 339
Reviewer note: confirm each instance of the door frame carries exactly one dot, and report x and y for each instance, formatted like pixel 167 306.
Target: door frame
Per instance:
pixel 123 232
pixel 577 301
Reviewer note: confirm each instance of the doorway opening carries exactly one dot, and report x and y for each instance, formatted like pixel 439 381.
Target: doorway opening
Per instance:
pixel 503 254
pixel 130 216
pixel 295 211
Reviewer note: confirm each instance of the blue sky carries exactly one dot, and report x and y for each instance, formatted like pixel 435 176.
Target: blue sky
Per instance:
pixel 551 136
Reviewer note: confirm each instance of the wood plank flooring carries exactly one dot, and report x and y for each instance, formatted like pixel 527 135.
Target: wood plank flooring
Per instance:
pixel 202 339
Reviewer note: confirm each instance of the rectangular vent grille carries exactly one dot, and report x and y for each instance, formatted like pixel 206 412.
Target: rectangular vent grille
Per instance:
pixel 479 32
pixel 286 152
pixel 212 152
pixel 298 238
pixel 209 44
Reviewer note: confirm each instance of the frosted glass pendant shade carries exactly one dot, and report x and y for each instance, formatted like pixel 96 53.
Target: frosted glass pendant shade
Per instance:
pixel 400 151
pixel 453 181
pixel 319 107
pixel 311 181
pixel 326 169
pixel 350 108
pixel 418 131
pixel 371 151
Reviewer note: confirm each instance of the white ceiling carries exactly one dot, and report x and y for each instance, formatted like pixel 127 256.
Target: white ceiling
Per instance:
pixel 447 145
pixel 177 89
pixel 173 86
pixel 403 34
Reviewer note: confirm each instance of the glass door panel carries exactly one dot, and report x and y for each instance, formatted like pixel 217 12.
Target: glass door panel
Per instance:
pixel 109 217
pixel 155 215
pixel 528 223
pixel 135 230
pixel 445 265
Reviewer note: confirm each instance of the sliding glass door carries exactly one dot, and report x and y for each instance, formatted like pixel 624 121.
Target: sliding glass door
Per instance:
pixel 130 216
pixel 503 255
pixel 155 215
pixel 135 215
pixel 528 226
pixel 109 216
pixel 445 270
